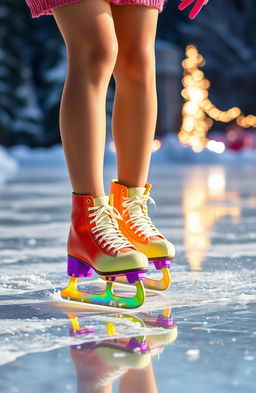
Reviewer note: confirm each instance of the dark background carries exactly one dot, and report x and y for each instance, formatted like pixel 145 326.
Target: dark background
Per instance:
pixel 33 63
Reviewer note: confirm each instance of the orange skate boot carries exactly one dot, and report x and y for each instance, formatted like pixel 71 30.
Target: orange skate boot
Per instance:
pixel 138 228
pixel 95 243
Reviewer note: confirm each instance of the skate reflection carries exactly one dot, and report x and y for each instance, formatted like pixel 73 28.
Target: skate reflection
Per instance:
pixel 98 363
pixel 205 202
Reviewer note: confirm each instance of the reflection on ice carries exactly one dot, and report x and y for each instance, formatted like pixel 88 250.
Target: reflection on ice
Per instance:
pixel 99 363
pixel 205 201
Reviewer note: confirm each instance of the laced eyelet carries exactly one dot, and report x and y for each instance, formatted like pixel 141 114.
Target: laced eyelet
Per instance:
pixel 88 201
pixel 144 238
pixel 112 252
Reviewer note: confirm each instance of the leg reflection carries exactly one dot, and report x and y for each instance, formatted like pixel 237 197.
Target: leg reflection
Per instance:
pixel 137 381
pixel 98 363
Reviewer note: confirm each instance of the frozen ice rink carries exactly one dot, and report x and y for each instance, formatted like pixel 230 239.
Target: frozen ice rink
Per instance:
pixel 208 211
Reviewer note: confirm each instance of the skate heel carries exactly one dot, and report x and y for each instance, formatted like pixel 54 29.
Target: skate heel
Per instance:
pixel 161 263
pixel 78 268
pixel 133 277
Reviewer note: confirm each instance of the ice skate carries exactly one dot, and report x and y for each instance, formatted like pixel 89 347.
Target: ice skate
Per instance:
pixel 138 228
pixel 95 244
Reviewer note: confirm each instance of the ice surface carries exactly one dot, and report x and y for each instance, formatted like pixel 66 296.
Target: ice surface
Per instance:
pixel 209 212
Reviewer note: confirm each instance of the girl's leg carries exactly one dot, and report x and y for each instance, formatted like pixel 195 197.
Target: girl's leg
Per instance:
pixel 88 31
pixel 135 103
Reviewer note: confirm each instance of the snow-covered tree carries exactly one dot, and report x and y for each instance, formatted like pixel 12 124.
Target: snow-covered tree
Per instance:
pixel 32 71
pixel 19 112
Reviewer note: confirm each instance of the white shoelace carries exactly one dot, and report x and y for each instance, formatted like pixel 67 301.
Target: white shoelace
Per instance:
pixel 107 226
pixel 136 205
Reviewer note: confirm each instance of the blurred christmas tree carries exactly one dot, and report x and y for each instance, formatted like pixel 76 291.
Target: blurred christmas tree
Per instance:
pixel 224 33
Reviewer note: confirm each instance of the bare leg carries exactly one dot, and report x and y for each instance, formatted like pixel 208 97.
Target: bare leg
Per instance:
pixel 88 31
pixel 135 103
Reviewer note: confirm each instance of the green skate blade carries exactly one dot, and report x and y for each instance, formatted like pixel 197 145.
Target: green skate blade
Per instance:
pixel 106 298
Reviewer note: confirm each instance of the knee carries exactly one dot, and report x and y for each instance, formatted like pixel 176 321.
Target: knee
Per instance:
pixel 102 55
pixel 96 59
pixel 137 66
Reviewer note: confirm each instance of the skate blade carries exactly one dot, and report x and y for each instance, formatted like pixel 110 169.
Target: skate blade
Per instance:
pixel 106 298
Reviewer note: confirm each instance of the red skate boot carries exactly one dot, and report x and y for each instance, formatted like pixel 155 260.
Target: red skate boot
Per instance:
pixel 95 243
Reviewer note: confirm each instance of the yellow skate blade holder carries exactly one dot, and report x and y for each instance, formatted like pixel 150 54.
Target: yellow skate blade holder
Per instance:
pixel 106 298
pixel 164 283
pixel 160 285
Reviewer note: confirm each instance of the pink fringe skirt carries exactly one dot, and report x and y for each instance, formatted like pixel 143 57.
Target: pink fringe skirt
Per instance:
pixel 43 7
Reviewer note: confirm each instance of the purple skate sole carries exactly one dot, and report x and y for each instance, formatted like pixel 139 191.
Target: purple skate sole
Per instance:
pixel 77 268
pixel 161 263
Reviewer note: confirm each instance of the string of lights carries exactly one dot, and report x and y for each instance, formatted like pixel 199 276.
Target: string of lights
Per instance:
pixel 198 112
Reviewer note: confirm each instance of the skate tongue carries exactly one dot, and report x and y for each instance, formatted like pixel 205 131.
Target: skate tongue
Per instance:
pixel 104 201
pixel 100 201
pixel 132 191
